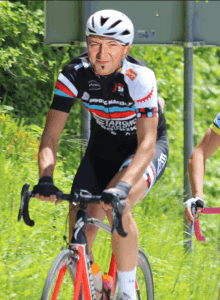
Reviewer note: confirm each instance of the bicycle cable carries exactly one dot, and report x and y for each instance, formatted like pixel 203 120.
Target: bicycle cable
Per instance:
pixel 65 233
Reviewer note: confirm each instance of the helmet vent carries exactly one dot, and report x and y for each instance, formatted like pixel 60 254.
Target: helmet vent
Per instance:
pixel 110 33
pixel 90 30
pixel 115 24
pixel 126 32
pixel 103 20
pixel 93 24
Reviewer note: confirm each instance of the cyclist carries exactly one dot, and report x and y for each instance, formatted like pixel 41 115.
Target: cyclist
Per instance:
pixel 128 146
pixel 205 148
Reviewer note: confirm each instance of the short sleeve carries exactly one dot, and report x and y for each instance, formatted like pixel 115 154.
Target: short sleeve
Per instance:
pixel 215 126
pixel 143 91
pixel 65 90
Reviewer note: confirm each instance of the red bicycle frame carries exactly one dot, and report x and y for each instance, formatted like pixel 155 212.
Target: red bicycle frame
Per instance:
pixel 83 276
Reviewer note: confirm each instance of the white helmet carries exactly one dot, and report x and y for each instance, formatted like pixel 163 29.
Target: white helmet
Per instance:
pixel 111 23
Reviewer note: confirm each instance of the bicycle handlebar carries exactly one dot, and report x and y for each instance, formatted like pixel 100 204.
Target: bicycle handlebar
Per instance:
pixel 206 210
pixel 79 197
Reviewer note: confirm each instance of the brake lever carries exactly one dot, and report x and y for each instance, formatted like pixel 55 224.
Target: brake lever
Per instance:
pixel 114 220
pixel 194 207
pixel 117 212
pixel 24 211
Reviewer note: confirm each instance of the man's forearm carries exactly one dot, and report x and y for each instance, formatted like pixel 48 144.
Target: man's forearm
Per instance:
pixel 47 156
pixel 196 168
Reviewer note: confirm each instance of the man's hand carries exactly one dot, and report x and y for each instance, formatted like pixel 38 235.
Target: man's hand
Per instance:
pixel 188 211
pixel 45 190
pixel 121 190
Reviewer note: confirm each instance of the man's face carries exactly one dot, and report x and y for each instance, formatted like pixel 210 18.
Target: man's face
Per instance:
pixel 105 54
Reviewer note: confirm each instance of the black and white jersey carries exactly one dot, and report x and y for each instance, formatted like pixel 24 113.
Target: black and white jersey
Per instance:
pixel 115 101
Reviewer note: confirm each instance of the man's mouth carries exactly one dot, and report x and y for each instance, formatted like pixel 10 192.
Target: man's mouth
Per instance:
pixel 102 62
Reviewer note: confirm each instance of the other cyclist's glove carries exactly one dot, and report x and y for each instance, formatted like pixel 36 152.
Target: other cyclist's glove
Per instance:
pixel 195 200
pixel 45 187
pixel 120 191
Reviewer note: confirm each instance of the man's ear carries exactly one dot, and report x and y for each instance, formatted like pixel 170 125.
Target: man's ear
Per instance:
pixel 127 49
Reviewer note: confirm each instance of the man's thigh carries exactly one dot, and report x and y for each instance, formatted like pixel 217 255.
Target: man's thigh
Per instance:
pixel 152 174
pixel 94 173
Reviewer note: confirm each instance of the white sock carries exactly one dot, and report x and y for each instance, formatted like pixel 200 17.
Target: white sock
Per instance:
pixel 127 283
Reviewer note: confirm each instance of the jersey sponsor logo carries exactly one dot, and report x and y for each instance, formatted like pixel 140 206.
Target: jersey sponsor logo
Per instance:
pixel 94 85
pixel 117 125
pixel 110 102
pixel 120 88
pixel 148 97
pixel 131 74
pixel 162 160
pixel 85 96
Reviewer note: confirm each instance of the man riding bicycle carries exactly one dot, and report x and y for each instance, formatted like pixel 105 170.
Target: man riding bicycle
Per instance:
pixel 128 146
pixel 205 148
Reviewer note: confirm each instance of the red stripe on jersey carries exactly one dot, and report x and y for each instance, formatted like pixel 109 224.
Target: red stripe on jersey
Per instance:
pixel 147 97
pixel 64 89
pixel 153 171
pixel 112 115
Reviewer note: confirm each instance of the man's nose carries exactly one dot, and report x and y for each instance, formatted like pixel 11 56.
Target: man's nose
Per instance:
pixel 103 50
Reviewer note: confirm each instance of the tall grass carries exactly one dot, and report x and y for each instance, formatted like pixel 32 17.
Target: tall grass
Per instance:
pixel 27 253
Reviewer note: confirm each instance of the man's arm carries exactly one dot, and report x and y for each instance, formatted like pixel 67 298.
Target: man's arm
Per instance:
pixel 205 148
pixel 146 135
pixel 55 123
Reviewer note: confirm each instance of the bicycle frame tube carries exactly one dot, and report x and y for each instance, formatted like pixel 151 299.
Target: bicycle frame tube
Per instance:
pixel 83 271
pixel 83 276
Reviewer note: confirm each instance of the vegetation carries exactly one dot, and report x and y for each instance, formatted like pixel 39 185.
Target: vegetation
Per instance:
pixel 28 74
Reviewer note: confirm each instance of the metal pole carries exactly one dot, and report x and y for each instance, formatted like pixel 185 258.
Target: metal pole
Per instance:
pixel 85 115
pixel 188 103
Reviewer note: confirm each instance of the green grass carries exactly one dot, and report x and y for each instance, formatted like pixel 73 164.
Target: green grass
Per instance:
pixel 27 253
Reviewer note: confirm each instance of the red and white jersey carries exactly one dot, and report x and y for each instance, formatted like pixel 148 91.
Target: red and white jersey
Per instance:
pixel 115 101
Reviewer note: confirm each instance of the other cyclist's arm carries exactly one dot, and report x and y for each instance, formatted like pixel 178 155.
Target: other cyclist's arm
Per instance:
pixel 55 123
pixel 205 148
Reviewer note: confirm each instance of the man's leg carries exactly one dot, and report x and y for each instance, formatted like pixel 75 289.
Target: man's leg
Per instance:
pixel 127 256
pixel 126 249
pixel 94 211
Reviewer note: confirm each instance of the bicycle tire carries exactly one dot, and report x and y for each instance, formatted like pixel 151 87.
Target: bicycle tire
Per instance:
pixel 62 262
pixel 146 291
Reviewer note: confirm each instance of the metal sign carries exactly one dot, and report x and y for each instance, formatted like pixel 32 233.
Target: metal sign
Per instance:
pixel 155 22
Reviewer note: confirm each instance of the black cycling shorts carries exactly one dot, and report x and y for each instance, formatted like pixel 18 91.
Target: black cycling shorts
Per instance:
pixel 106 155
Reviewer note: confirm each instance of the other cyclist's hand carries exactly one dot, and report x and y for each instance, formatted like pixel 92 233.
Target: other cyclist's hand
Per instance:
pixel 46 190
pixel 188 211
pixel 121 190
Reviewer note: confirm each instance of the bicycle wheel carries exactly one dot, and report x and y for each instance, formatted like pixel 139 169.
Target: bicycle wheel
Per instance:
pixel 60 280
pixel 144 279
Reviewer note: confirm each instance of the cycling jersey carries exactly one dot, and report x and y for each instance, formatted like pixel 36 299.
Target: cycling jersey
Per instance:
pixel 115 101
pixel 216 124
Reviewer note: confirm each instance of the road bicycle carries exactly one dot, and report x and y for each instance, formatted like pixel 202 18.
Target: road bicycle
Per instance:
pixel 77 283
